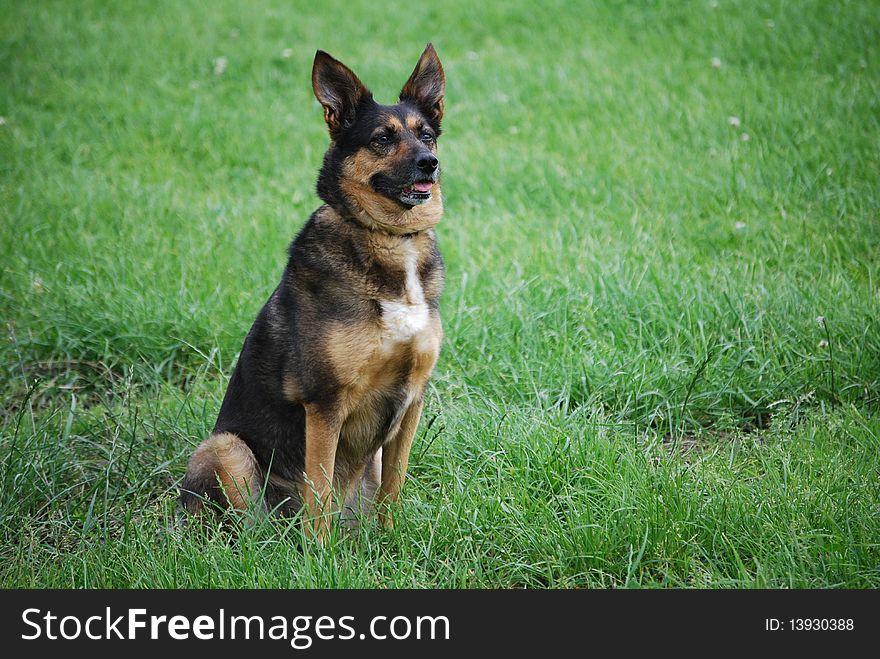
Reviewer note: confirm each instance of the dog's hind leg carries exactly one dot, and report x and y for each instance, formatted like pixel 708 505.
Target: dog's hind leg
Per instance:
pixel 224 470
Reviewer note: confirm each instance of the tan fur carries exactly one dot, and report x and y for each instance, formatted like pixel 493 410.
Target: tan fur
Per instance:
pixel 232 463
pixel 395 123
pixel 395 460
pixel 369 371
pixel 322 437
pixel 361 166
pixel 378 211
pixel 290 388
pixel 426 349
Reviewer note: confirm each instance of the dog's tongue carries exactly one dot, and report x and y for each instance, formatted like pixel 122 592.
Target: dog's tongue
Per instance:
pixel 422 186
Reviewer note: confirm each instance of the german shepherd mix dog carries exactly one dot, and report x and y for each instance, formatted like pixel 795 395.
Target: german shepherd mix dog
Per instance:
pixel 327 393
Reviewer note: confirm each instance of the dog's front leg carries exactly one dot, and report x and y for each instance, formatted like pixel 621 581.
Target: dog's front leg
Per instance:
pixel 395 458
pixel 322 437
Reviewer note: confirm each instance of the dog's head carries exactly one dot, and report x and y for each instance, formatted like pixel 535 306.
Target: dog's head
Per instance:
pixel 382 166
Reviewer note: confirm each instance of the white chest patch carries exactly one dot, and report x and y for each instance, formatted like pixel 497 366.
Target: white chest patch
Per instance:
pixel 403 319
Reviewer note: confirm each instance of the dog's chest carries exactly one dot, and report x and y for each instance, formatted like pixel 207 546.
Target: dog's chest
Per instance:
pixel 406 319
pixel 393 373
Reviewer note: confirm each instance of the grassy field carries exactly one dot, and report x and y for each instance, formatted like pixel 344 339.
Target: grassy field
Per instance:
pixel 648 205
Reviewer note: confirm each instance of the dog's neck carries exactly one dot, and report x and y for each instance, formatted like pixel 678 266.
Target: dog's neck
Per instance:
pixel 366 207
pixel 385 244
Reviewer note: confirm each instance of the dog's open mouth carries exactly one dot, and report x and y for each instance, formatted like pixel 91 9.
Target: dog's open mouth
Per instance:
pixel 417 193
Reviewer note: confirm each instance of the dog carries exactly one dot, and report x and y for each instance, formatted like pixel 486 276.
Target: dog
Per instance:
pixel 327 393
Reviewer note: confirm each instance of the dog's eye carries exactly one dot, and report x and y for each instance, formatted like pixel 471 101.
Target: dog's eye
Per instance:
pixel 381 139
pixel 427 138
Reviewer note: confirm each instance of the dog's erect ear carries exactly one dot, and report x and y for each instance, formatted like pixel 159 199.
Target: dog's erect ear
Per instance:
pixel 426 85
pixel 338 90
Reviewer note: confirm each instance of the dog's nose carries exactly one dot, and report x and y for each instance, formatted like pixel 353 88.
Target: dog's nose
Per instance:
pixel 427 163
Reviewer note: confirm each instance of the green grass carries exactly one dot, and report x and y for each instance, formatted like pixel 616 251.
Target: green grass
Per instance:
pixel 634 389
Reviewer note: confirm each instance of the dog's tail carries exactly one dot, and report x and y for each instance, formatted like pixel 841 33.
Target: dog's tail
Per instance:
pixel 222 470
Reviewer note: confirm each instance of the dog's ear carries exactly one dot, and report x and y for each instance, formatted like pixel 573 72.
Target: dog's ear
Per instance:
pixel 427 85
pixel 338 90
